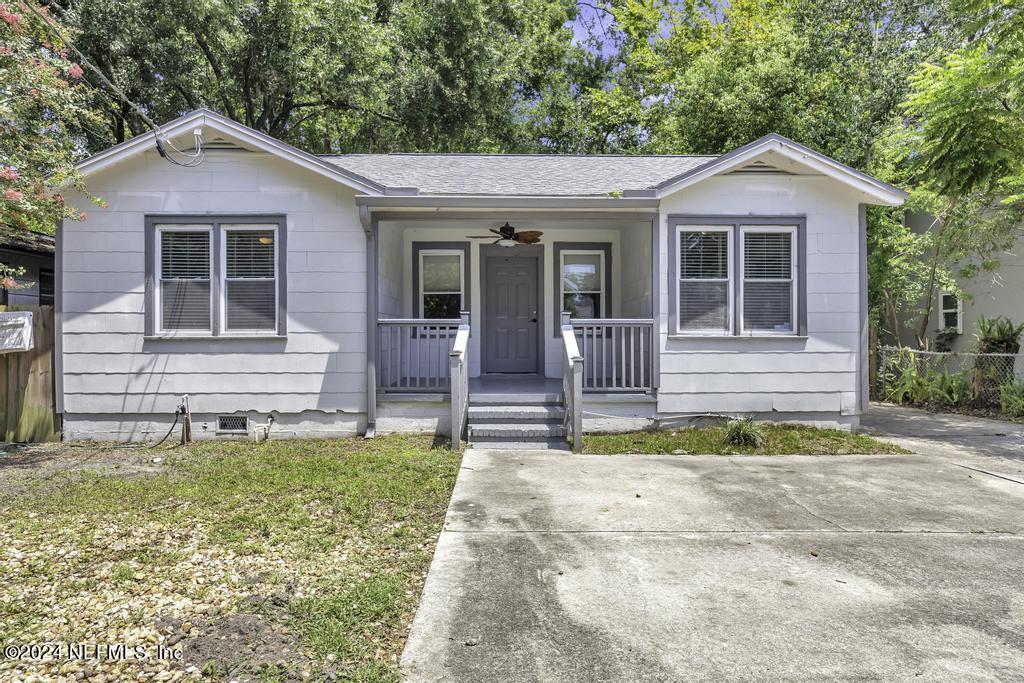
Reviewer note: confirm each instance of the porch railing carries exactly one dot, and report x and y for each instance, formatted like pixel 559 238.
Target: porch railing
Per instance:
pixel 413 354
pixel 572 385
pixel 458 372
pixel 619 353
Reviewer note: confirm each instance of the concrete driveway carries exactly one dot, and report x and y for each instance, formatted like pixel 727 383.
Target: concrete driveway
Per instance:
pixel 555 567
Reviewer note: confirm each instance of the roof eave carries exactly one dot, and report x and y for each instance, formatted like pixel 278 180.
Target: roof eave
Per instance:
pixel 561 202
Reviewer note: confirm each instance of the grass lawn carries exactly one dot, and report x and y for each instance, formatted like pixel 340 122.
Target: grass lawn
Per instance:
pixel 264 562
pixel 780 439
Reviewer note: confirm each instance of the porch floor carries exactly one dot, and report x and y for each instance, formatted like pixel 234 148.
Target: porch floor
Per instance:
pixel 508 385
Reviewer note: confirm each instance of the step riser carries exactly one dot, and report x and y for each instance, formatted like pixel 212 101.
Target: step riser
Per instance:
pixel 519 432
pixel 512 414
pixel 515 399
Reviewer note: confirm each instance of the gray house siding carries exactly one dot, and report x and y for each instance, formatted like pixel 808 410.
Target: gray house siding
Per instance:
pixel 811 377
pixel 120 384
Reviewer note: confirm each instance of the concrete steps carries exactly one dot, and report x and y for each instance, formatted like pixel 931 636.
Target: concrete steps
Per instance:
pixel 516 421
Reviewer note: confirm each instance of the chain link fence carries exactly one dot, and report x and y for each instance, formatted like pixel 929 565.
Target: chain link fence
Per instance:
pixel 990 382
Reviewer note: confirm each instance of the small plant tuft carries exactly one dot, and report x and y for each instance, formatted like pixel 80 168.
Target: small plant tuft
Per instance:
pixel 743 431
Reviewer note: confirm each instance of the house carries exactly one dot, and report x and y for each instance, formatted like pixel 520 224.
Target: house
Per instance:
pixel 341 294
pixel 988 294
pixel 32 252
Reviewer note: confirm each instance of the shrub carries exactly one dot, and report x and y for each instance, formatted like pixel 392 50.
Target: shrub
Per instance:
pixel 744 431
pixel 1011 398
pixel 909 380
pixel 994 335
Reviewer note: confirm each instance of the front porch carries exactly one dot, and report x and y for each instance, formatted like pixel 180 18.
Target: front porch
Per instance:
pixel 572 313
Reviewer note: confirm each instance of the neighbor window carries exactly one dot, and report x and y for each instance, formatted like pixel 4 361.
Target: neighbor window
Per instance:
pixel 738 277
pixel 218 276
pixel 46 287
pixel 442 283
pixel 583 283
pixel 952 312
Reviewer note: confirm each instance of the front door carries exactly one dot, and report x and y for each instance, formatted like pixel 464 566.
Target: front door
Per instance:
pixel 511 320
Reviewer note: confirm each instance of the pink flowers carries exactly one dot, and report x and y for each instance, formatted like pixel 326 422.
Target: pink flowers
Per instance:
pixel 75 71
pixel 8 283
pixel 13 195
pixel 12 18
pixel 8 173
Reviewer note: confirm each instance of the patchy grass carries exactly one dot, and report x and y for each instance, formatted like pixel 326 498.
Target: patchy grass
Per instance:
pixel 265 561
pixel 779 439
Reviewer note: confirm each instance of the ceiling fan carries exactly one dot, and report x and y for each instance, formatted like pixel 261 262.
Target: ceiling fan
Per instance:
pixel 508 237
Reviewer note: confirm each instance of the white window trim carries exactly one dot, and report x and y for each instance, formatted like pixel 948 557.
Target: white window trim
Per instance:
pixel 222 279
pixel 158 277
pixel 730 269
pixel 959 310
pixel 600 278
pixel 794 271
pixel 462 277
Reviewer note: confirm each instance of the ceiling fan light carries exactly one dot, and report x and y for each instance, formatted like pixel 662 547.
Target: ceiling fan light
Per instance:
pixel 506 243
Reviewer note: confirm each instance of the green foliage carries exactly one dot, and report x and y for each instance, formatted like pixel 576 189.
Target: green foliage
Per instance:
pixel 997 335
pixel 744 432
pixel 42 112
pixel 909 379
pixel 1011 398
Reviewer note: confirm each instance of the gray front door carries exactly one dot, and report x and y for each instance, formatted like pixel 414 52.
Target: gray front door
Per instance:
pixel 511 320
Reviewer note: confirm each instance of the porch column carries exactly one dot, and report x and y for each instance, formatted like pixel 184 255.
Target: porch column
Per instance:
pixel 656 300
pixel 370 227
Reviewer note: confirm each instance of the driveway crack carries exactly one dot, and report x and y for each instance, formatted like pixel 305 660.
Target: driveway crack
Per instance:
pixel 799 504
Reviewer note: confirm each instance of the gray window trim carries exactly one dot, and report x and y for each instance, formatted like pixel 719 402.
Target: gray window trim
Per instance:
pixel 216 220
pixel 736 223
pixel 556 276
pixel 417 247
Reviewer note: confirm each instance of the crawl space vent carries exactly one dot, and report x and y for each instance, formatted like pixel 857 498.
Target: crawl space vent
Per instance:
pixel 233 424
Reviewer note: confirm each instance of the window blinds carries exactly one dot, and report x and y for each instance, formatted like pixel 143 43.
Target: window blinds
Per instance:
pixel 704 280
pixel 768 281
pixel 185 280
pixel 250 301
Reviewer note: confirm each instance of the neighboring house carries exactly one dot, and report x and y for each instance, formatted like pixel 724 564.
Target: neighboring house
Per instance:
pixel 987 294
pixel 326 291
pixel 33 252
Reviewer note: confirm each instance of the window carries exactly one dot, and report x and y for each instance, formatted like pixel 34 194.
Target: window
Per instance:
pixel 738 277
pixel 250 284
pixel 45 287
pixel 769 280
pixel 705 283
pixel 952 313
pixel 442 283
pixel 583 283
pixel 218 276
pixel 185 277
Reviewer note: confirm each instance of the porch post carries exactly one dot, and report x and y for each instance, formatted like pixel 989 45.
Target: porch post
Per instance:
pixel 656 300
pixel 370 227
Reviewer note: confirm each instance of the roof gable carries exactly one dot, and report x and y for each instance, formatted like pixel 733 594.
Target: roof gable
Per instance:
pixel 232 131
pixel 778 152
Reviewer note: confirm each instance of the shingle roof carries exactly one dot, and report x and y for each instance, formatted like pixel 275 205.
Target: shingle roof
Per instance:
pixel 517 174
pixel 17 239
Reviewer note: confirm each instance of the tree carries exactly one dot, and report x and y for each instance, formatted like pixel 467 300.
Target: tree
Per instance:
pixel 42 115
pixel 965 150
pixel 363 75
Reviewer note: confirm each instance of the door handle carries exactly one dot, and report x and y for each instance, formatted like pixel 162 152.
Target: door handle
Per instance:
pixel 533 320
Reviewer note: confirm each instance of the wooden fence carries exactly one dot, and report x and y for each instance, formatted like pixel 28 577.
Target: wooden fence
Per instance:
pixel 27 405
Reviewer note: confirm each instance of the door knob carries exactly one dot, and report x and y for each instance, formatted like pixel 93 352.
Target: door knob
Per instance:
pixel 533 320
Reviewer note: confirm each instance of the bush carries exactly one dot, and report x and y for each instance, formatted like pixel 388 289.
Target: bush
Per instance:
pixel 1011 398
pixel 909 380
pixel 994 335
pixel 744 431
